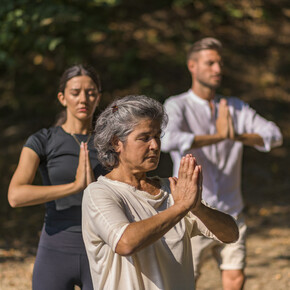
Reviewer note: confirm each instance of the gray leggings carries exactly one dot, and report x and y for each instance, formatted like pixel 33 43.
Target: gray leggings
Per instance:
pixel 63 266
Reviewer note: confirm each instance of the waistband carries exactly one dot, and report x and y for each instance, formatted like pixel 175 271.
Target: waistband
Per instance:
pixel 63 241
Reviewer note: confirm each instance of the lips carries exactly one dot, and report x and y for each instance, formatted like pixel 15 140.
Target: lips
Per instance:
pixel 217 77
pixel 83 109
pixel 152 157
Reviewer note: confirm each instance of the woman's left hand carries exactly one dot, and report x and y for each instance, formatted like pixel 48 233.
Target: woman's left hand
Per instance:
pixel 89 172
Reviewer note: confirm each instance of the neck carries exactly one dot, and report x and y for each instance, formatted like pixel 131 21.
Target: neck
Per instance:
pixel 205 93
pixel 77 127
pixel 136 179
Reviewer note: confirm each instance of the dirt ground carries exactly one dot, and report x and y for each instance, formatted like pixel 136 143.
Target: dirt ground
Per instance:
pixel 268 258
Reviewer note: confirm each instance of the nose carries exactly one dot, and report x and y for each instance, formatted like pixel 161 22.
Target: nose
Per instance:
pixel 83 96
pixel 155 144
pixel 217 68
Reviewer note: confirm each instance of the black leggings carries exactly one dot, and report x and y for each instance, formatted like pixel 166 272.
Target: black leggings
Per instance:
pixel 63 266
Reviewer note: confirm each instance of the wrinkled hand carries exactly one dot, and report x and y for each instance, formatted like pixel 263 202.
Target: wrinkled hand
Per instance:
pixel 222 122
pixel 187 188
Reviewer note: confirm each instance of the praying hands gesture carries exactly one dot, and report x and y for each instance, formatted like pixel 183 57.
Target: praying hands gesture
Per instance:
pixel 224 122
pixel 187 192
pixel 84 175
pixel 225 128
pixel 187 188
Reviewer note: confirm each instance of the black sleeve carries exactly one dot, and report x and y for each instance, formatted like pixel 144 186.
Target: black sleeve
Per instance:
pixel 37 142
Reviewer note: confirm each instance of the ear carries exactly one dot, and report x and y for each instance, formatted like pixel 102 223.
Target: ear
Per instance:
pixel 117 144
pixel 61 99
pixel 191 64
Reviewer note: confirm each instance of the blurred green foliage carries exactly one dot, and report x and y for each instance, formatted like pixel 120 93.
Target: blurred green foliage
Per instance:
pixel 130 42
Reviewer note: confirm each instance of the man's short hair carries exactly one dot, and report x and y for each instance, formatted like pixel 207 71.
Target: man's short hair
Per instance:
pixel 203 44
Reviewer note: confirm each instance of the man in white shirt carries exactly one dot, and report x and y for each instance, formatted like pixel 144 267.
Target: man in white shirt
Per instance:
pixel 214 129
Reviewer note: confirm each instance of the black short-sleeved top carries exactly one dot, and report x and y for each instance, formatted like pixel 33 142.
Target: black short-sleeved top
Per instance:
pixel 59 156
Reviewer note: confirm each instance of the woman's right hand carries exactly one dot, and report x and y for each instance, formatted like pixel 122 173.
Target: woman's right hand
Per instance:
pixel 186 189
pixel 84 174
pixel 81 180
pixel 222 123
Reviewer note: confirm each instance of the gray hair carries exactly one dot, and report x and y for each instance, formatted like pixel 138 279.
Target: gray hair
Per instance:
pixel 203 44
pixel 119 119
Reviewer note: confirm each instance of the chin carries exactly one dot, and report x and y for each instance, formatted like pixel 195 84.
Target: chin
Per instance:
pixel 153 167
pixel 83 117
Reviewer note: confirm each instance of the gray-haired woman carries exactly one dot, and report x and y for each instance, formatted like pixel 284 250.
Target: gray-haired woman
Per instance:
pixel 137 229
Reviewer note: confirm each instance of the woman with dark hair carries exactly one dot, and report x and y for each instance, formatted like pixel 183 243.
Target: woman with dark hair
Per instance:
pixel 137 229
pixel 68 162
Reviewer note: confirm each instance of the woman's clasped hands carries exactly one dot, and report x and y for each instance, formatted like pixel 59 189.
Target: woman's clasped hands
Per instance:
pixel 84 174
pixel 187 188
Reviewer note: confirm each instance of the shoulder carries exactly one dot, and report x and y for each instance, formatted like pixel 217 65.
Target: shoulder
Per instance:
pixel 177 102
pixel 100 183
pixel 40 140
pixel 234 102
pixel 177 98
pixel 46 133
pixel 101 190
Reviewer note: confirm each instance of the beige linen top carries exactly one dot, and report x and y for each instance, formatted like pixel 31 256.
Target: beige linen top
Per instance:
pixel 108 208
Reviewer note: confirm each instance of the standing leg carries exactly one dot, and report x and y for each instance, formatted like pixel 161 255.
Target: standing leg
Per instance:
pixel 53 270
pixel 85 273
pixel 233 279
pixel 199 246
pixel 232 260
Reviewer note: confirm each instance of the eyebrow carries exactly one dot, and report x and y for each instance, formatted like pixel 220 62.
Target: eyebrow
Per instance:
pixel 88 89
pixel 148 133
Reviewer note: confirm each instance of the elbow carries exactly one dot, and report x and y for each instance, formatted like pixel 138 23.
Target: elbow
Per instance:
pixel 237 236
pixel 232 237
pixel 124 248
pixel 233 234
pixel 12 199
pixel 13 203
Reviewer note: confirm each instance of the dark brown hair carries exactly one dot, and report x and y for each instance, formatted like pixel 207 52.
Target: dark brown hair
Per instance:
pixel 79 70
pixel 205 43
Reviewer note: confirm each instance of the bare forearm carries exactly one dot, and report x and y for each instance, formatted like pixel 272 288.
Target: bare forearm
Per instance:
pixel 204 140
pixel 26 195
pixel 250 139
pixel 140 234
pixel 220 224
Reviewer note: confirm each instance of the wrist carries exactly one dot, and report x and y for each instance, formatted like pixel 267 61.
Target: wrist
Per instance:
pixel 220 137
pixel 182 209
pixel 77 187
pixel 197 210
pixel 237 137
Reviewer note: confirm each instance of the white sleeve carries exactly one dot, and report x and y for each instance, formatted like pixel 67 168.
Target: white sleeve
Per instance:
pixel 175 138
pixel 269 131
pixel 196 227
pixel 103 215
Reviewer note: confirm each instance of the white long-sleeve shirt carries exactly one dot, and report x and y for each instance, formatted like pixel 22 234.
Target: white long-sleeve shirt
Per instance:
pixel 190 116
